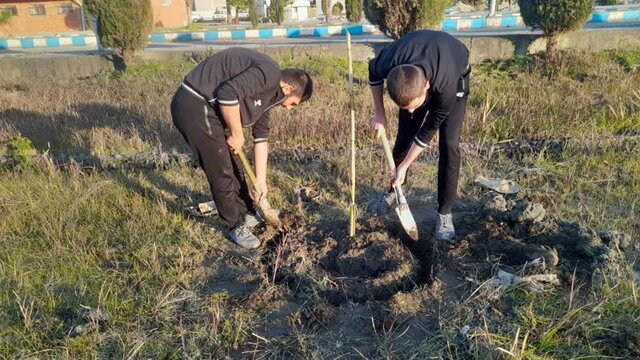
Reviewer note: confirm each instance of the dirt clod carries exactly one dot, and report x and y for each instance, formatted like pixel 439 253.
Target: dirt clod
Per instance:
pixel 528 212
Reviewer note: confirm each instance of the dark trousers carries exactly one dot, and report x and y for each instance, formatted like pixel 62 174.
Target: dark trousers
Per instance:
pixel 204 130
pixel 449 146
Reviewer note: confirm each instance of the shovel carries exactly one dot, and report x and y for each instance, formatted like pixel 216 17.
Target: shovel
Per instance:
pixel 264 208
pixel 402 208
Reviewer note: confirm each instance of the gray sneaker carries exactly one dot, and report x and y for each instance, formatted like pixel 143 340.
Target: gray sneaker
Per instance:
pixel 444 228
pixel 383 204
pixel 242 236
pixel 251 220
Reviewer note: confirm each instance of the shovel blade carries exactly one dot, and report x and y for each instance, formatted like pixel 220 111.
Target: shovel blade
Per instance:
pixel 408 222
pixel 269 214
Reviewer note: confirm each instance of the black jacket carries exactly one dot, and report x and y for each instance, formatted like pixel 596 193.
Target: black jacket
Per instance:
pixel 444 60
pixel 239 76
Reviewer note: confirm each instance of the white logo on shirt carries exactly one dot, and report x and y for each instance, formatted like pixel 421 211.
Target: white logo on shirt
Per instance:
pixel 257 103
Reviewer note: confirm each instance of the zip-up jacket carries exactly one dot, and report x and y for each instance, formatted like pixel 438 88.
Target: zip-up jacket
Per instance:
pixel 445 62
pixel 239 76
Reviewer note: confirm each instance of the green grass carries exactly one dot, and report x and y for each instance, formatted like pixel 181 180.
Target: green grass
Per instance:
pixel 116 240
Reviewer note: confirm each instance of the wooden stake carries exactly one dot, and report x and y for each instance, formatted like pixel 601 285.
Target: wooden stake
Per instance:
pixel 352 208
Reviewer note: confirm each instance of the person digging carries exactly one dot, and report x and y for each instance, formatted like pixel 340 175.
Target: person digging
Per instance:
pixel 229 91
pixel 427 74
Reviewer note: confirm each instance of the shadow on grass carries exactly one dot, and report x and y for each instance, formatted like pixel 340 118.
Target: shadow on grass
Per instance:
pixel 93 127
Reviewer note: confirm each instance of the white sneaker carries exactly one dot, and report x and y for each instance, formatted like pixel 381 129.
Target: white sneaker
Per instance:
pixel 444 227
pixel 383 204
pixel 251 220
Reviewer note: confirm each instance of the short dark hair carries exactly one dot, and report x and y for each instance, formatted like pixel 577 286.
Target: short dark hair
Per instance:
pixel 301 82
pixel 405 83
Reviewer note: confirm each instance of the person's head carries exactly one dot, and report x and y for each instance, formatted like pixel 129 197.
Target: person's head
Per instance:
pixel 407 86
pixel 297 87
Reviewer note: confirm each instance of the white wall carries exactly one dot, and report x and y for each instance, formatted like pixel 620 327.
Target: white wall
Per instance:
pixel 209 5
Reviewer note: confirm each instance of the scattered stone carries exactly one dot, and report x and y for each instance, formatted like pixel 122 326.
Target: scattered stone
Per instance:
pixel 610 238
pixel 533 212
pixel 497 203
pixel 535 283
pixel 96 315
pixel 82 330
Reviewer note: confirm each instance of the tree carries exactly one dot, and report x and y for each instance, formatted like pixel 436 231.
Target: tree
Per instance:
pixel 189 5
pixel 275 11
pixel 123 25
pixel 5 17
pixel 337 9
pixel 253 13
pixel 555 17
pixel 238 5
pixel 326 7
pixel 354 10
pixel 398 17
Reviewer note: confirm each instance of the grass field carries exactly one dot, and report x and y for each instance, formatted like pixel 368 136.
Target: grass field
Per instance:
pixel 104 264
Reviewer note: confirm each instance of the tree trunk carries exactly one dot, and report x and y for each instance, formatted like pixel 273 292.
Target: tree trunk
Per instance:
pixel 327 10
pixel 552 47
pixel 237 19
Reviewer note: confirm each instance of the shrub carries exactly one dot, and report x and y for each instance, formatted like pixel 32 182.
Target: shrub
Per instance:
pixel 398 17
pixel 21 152
pixel 275 11
pixel 337 8
pixel 123 25
pixel 354 10
pixel 555 17
pixel 5 17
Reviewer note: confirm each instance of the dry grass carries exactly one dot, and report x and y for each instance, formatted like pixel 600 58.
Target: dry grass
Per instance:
pixel 116 240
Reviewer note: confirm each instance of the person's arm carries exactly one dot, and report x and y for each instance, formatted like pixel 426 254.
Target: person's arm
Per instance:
pixel 260 155
pixel 439 110
pixel 231 116
pixel 401 170
pixel 377 74
pixel 260 133
pixel 379 118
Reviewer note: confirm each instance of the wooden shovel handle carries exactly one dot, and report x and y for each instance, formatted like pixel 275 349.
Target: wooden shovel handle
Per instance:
pixel 392 165
pixel 247 168
pixel 387 149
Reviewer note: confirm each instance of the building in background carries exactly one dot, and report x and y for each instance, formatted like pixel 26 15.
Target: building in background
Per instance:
pixel 298 10
pixel 45 16
pixel 209 10
pixel 170 13
pixel 29 17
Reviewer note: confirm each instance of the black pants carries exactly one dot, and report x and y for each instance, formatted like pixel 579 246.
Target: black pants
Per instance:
pixel 203 128
pixel 449 146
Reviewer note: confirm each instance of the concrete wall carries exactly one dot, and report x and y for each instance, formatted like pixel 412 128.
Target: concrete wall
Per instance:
pixel 52 22
pixel 170 13
pixel 481 48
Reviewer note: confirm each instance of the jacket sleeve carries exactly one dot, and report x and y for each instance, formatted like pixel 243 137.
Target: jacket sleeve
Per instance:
pixel 254 80
pixel 260 129
pixel 442 105
pixel 381 66
pixel 376 77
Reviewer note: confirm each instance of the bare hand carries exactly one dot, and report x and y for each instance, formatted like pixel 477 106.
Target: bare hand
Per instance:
pixel 398 177
pixel 378 123
pixel 235 143
pixel 259 192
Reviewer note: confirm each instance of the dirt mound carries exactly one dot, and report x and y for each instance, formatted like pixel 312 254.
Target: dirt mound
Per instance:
pixel 322 280
pixel 370 266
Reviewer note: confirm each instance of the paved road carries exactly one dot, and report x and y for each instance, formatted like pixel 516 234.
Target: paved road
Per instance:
pixel 286 42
